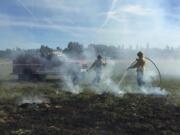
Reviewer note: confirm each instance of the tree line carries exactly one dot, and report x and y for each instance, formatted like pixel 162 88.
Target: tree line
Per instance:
pixel 78 51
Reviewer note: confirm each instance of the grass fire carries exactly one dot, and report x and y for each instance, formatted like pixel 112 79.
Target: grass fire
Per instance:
pixel 88 67
pixel 48 91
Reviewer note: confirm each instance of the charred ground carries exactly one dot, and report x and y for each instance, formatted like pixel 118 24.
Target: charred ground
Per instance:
pixel 86 113
pixel 89 113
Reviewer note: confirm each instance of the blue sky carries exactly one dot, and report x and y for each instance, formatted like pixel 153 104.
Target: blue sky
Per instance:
pixel 30 23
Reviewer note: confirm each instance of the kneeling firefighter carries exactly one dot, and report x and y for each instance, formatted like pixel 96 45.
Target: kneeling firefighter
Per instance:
pixel 139 65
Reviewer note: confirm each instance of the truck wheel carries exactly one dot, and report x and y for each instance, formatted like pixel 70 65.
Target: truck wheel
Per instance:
pixel 38 77
pixel 27 75
pixel 21 77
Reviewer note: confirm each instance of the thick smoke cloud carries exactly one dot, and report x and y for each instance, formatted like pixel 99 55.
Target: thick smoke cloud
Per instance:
pixel 115 78
pixel 112 79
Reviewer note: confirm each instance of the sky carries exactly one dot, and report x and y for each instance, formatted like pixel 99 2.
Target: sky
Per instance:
pixel 31 23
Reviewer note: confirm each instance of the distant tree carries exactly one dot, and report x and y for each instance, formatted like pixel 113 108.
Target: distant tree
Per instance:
pixel 74 49
pixel 45 51
pixel 58 48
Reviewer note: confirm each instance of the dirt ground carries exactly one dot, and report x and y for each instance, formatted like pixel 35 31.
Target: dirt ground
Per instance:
pixel 91 114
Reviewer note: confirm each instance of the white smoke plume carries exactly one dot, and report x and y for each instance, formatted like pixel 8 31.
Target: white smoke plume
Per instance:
pixel 115 78
pixel 107 83
pixel 33 100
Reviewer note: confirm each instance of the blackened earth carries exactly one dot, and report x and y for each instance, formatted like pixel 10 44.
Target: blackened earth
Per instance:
pixel 91 114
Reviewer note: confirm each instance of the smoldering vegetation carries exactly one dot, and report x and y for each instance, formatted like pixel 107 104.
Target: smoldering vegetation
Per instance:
pixel 89 113
pixel 67 102
pixel 71 64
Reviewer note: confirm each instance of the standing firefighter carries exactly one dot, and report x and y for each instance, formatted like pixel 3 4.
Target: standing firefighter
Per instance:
pixel 98 63
pixel 139 65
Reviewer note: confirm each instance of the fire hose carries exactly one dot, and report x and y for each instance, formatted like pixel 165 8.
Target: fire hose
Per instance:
pixel 159 73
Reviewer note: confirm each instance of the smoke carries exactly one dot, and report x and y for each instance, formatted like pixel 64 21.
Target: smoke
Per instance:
pixel 75 75
pixel 108 84
pixel 152 81
pixel 169 67
pixel 150 76
pixel 33 100
pixel 154 91
pixel 76 78
pixel 115 78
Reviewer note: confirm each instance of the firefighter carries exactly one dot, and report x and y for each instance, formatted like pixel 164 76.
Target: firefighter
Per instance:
pixel 139 65
pixel 98 63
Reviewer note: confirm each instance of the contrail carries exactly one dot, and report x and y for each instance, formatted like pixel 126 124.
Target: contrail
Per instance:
pixel 31 13
pixel 107 16
pixel 27 9
pixel 35 17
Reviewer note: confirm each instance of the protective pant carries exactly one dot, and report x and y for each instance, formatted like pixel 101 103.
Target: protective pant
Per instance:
pixel 97 78
pixel 74 78
pixel 140 80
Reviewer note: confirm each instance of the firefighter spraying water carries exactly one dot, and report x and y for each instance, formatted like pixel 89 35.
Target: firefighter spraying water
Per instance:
pixel 139 65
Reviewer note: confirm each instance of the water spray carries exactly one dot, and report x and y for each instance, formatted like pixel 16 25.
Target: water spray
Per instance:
pixel 125 73
pixel 122 78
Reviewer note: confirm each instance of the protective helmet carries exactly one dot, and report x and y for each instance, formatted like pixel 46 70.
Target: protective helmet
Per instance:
pixel 140 54
pixel 99 57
